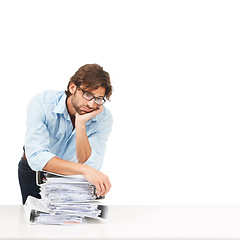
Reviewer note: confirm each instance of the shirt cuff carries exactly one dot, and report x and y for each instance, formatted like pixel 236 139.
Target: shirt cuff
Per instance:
pixel 39 160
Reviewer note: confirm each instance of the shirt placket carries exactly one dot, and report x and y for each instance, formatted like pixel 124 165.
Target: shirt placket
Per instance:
pixel 69 133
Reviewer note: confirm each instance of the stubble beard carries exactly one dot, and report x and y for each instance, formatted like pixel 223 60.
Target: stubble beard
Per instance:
pixel 78 108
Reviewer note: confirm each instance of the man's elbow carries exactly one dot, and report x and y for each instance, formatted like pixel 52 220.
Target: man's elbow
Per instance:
pixel 83 159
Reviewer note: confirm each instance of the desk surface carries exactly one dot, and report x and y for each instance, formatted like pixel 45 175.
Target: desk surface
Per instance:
pixel 132 222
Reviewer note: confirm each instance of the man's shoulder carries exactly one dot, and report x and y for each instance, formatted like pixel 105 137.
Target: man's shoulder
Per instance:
pixel 107 113
pixel 49 96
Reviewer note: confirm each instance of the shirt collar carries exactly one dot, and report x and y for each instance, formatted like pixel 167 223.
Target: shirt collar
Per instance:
pixel 62 108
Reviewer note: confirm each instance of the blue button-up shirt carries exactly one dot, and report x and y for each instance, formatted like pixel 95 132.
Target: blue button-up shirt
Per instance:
pixel 50 131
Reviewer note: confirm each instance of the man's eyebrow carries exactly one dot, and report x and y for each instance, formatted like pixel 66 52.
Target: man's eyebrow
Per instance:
pixel 94 95
pixel 100 97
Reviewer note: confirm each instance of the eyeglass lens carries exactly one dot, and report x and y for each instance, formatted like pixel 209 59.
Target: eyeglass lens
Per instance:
pixel 89 97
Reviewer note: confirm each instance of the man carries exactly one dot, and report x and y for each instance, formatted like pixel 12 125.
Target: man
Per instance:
pixel 67 131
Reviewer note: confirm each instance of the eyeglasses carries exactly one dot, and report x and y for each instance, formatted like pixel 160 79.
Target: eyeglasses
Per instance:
pixel 89 96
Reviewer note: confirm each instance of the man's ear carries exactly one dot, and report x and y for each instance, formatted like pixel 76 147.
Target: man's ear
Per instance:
pixel 72 88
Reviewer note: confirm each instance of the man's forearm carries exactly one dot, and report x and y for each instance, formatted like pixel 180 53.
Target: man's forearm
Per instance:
pixel 83 148
pixel 60 166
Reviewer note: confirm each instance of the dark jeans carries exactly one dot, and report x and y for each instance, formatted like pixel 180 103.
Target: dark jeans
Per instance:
pixel 27 181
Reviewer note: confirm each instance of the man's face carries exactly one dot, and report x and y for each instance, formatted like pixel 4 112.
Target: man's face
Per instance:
pixel 83 106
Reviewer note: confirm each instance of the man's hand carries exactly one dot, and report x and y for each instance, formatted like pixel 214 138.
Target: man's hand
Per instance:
pixel 98 179
pixel 82 119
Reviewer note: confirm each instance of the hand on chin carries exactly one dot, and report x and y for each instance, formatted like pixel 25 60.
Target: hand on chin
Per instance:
pixel 85 114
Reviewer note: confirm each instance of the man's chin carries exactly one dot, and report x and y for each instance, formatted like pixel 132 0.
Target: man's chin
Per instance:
pixel 82 112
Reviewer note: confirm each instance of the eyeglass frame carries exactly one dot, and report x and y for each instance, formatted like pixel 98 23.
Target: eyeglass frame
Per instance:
pixel 104 100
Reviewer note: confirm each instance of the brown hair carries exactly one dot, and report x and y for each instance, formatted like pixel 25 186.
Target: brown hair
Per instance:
pixel 91 76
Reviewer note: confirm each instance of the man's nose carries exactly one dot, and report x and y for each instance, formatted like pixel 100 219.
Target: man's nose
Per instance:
pixel 91 103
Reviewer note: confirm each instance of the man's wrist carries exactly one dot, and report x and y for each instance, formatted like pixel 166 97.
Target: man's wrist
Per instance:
pixel 80 125
pixel 83 169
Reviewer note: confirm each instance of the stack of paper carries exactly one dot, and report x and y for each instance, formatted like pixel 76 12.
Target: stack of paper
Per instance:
pixel 64 200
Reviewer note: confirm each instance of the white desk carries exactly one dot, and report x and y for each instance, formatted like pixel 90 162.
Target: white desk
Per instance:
pixel 133 222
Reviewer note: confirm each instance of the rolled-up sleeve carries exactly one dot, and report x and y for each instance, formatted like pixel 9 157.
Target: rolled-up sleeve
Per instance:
pixel 37 142
pixel 98 142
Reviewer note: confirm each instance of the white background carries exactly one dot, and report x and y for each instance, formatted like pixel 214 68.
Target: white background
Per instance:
pixel 174 66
